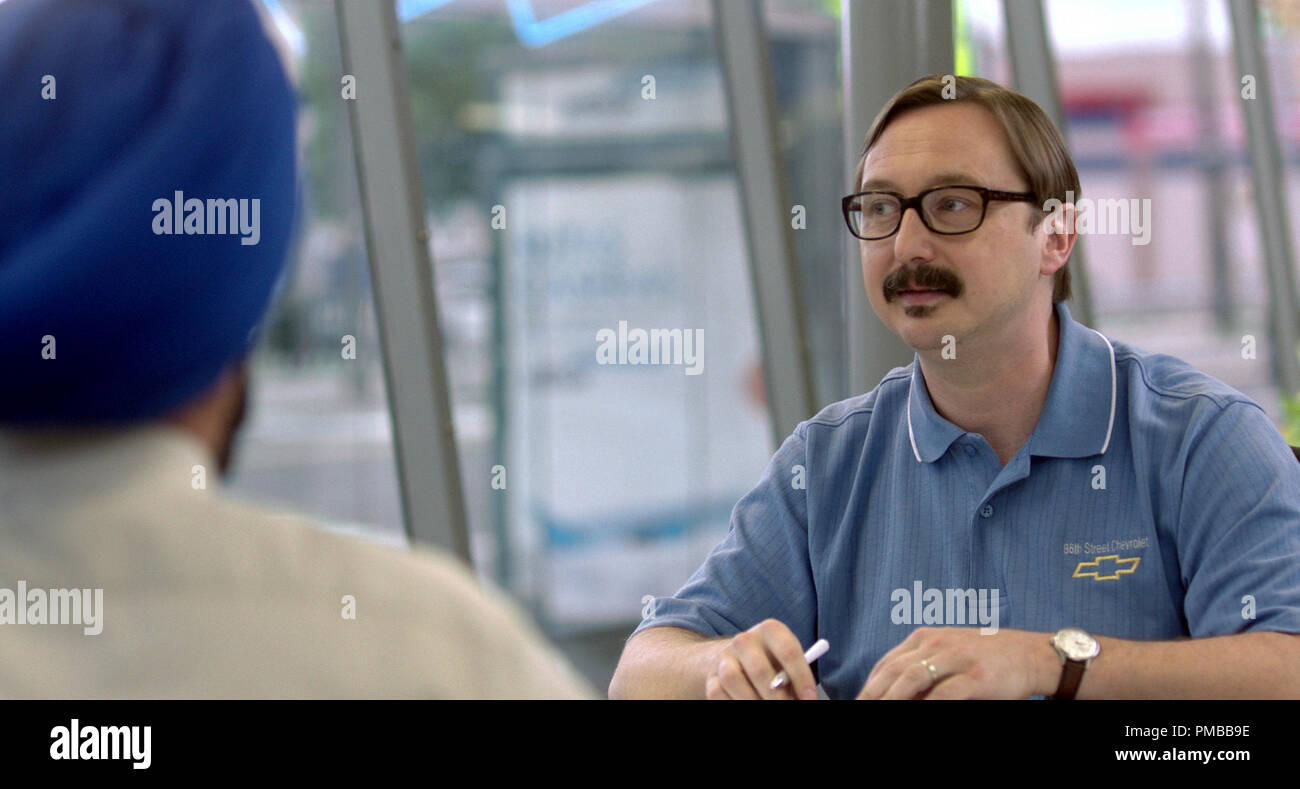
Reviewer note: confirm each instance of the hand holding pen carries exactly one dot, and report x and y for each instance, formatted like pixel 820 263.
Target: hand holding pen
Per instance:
pixel 748 665
pixel 815 651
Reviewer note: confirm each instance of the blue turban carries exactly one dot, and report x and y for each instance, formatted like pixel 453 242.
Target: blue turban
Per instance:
pixel 111 310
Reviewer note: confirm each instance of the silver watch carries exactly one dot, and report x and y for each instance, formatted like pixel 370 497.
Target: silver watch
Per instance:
pixel 1076 649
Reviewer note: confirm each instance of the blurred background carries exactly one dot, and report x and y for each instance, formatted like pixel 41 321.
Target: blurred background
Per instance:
pixel 565 193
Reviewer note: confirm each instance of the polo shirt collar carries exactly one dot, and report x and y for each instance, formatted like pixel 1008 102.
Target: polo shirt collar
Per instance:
pixel 1077 418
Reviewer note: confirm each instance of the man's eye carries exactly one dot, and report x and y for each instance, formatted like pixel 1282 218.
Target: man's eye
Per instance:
pixel 880 207
pixel 953 205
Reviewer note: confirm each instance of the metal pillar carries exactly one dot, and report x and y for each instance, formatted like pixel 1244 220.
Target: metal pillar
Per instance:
pixel 1267 170
pixel 751 99
pixel 405 303
pixel 1034 71
pixel 886 45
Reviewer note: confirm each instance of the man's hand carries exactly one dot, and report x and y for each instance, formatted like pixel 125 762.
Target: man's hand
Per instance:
pixel 1008 664
pixel 747 664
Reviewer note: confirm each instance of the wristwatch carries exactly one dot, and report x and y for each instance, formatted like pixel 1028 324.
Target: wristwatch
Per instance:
pixel 1077 649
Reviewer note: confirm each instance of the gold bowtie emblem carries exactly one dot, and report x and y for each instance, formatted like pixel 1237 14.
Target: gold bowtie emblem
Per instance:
pixel 1106 568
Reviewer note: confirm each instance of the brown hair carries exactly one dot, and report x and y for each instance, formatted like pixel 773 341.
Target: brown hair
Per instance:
pixel 1036 146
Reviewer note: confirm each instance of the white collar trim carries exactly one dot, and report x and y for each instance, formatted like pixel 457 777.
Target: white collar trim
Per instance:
pixel 1110 424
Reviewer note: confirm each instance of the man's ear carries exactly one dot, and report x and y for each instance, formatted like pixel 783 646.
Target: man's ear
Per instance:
pixel 1059 234
pixel 236 412
pixel 241 373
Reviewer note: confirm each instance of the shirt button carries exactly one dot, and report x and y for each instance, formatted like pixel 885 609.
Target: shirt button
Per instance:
pixel 970 450
pixel 986 511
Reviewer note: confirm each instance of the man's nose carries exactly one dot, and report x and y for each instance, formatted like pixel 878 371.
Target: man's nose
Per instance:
pixel 913 238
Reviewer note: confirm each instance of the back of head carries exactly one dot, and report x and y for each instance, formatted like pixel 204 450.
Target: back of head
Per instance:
pixel 147 152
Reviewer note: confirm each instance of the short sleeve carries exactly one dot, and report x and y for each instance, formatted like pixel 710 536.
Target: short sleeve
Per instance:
pixel 760 570
pixel 1239 527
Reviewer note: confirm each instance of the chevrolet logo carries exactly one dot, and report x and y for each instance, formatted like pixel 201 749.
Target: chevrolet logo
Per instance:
pixel 1112 564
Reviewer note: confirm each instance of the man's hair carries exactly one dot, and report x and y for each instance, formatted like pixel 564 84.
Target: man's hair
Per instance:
pixel 1036 146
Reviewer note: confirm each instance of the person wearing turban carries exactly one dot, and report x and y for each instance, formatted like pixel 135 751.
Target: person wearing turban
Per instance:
pixel 148 193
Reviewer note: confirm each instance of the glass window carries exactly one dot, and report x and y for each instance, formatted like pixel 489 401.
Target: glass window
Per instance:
pixel 577 166
pixel 1153 118
pixel 804 41
pixel 317 438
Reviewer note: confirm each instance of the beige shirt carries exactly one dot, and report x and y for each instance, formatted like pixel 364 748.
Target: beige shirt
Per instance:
pixel 205 596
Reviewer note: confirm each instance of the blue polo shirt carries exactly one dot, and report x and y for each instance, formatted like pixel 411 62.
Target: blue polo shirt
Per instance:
pixel 1151 501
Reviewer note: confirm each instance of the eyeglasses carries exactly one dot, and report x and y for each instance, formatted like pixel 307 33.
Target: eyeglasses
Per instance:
pixel 946 210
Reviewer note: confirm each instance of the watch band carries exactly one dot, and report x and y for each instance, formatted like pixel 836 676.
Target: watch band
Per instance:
pixel 1071 676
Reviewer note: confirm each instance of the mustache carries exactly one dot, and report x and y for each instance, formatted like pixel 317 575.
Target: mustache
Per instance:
pixel 923 277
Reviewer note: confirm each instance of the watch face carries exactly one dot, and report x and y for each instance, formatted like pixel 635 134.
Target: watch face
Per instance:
pixel 1076 644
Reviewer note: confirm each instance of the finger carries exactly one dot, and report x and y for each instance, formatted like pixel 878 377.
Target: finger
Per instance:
pixel 882 676
pixel 753 657
pixel 713 689
pixel 788 654
pixel 916 680
pixel 733 680
pixel 908 645
pixel 913 679
pixel 886 672
pixel 957 686
pixel 783 692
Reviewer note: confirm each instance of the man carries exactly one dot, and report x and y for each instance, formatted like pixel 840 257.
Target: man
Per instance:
pixel 1089 505
pixel 124 571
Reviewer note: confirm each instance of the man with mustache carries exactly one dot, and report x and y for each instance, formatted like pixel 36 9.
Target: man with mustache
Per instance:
pixel 1112 502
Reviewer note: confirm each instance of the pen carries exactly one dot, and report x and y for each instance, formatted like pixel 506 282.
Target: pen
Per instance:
pixel 815 651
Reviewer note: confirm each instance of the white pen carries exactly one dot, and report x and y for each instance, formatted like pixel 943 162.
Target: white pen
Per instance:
pixel 815 651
